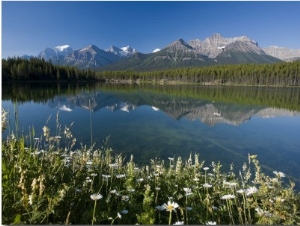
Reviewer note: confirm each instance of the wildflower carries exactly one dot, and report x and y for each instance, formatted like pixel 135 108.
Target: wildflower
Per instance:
pixel 125 198
pixel 157 188
pixel 241 191
pixel 244 167
pixel 113 165
pixel 131 190
pixel 228 197
pixel 274 180
pixel 88 180
pixel 94 174
pixel 188 191
pixel 262 212
pixel 206 185
pixel 230 184
pixel 120 175
pixel 57 137
pixel 251 190
pixel 140 179
pixel 179 223
pixel 96 196
pixel 196 179
pixel 170 206
pixel 89 162
pixel 279 174
pixel 206 168
pixel 278 199
pixel 171 159
pixel 30 201
pixel 119 215
pixel 124 211
pixel 211 223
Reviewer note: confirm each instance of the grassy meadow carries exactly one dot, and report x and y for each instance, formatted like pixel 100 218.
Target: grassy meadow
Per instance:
pixel 45 180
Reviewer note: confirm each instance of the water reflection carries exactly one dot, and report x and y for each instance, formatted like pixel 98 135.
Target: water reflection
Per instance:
pixel 206 111
pixel 221 123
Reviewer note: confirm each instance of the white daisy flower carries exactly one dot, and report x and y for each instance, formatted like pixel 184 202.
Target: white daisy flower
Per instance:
pixel 279 174
pixel 140 179
pixel 119 215
pixel 206 185
pixel 179 223
pixel 120 175
pixel 96 196
pixel 228 197
pixel 170 206
pixel 251 190
pixel 188 191
pixel 241 191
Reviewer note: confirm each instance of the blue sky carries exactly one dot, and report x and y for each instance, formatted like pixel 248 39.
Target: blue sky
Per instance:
pixel 29 27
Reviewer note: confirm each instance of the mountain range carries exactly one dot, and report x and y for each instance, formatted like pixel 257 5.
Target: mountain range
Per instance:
pixel 214 50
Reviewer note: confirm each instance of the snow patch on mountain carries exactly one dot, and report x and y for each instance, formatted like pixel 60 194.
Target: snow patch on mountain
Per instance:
pixel 128 49
pixel 62 48
pixel 156 50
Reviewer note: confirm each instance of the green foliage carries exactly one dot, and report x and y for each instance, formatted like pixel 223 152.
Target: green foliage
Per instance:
pixel 46 181
pixel 276 74
pixel 34 69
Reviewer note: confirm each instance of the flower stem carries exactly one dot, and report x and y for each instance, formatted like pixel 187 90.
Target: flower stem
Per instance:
pixel 94 212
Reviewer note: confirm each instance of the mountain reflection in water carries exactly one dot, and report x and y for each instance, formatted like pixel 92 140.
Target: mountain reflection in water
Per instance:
pixel 220 123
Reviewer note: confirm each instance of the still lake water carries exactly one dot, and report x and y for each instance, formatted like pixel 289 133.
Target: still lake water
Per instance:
pixel 159 121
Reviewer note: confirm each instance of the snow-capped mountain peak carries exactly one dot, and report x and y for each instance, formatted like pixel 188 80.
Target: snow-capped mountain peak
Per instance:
pixel 128 49
pixel 62 48
pixel 156 50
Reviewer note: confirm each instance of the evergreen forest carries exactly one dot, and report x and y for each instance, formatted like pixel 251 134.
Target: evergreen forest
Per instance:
pixel 278 74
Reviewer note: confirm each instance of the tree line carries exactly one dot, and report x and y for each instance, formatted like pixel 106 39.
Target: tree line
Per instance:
pixel 281 74
pixel 34 69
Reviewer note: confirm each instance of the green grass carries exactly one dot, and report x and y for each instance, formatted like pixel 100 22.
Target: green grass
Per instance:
pixel 46 181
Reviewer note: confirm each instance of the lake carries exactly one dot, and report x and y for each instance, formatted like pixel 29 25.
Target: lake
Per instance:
pixel 160 121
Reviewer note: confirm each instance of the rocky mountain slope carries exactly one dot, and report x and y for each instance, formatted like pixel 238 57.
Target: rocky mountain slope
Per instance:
pixel 282 53
pixel 213 50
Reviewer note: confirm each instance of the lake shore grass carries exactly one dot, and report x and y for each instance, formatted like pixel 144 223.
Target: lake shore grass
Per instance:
pixel 45 180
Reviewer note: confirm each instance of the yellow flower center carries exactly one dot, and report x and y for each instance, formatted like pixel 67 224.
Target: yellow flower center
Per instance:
pixel 170 208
